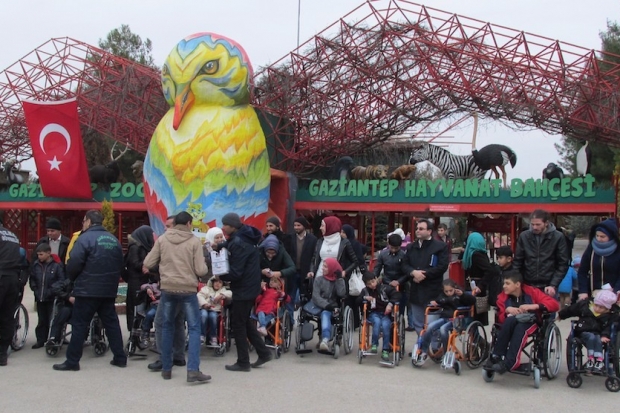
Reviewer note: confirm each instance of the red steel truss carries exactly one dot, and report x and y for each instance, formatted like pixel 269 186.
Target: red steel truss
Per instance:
pixel 399 68
pixel 116 97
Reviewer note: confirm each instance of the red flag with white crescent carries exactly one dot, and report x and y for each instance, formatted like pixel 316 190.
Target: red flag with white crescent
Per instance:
pixel 56 141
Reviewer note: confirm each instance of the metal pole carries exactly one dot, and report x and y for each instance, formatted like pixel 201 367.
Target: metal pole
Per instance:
pixel 298 20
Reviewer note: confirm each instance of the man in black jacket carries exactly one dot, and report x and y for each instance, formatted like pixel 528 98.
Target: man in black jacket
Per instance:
pixel 9 288
pixel 95 268
pixel 58 242
pixel 541 255
pixel 244 277
pixel 301 249
pixel 425 261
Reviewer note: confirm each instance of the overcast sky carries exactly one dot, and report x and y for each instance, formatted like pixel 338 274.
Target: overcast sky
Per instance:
pixel 267 29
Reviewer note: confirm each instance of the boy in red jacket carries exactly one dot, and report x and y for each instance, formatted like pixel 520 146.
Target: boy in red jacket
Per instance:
pixel 516 299
pixel 267 303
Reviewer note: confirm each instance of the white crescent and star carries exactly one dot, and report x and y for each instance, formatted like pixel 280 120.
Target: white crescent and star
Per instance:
pixel 51 128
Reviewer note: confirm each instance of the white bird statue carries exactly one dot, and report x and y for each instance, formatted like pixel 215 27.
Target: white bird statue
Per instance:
pixel 583 160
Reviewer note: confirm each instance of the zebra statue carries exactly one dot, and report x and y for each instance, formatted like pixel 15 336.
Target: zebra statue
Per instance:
pixel 451 166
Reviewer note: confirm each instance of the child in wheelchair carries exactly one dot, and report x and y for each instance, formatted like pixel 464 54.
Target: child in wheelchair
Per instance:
pixel 153 294
pixel 211 299
pixel 449 300
pixel 593 327
pixel 266 303
pixel 381 299
pixel 62 311
pixel 518 309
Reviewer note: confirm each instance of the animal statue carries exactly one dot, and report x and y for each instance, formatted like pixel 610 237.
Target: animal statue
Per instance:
pixel 403 172
pixel 10 168
pixel 209 148
pixel 198 215
pixel 552 171
pixel 370 172
pixel 583 160
pixel 136 169
pixel 109 173
pixel 495 156
pixel 342 168
pixel 451 166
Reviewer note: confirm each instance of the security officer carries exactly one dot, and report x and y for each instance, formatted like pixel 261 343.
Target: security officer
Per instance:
pixel 10 261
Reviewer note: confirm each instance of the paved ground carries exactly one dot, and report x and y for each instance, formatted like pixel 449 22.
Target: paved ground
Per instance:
pixel 313 383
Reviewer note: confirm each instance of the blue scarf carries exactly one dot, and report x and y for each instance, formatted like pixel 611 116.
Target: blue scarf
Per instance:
pixel 604 249
pixel 475 242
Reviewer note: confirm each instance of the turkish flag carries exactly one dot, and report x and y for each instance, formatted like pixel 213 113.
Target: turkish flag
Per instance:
pixel 57 147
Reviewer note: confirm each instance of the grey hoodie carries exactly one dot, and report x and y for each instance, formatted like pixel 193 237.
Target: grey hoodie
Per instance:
pixel 180 258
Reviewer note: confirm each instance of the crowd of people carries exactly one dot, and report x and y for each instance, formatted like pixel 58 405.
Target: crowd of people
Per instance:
pixel 176 273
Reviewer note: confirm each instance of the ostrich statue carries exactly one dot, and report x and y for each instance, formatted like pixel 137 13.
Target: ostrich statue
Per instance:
pixel 495 156
pixel 583 160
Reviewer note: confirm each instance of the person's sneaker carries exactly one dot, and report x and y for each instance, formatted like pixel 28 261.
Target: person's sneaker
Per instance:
pixel 37 345
pixel 213 341
pixel 118 363
pixel 237 367
pixel 373 349
pixel 203 339
pixel 589 366
pixel 324 345
pixel 262 331
pixel 599 367
pixel 197 376
pixel 155 366
pixel 385 355
pixel 500 367
pixel 422 358
pixel 4 359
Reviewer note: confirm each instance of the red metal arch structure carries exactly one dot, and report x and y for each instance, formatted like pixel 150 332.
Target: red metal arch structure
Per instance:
pixel 399 68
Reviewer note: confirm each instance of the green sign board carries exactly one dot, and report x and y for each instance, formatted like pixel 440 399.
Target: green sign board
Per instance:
pixel 566 190
pixel 127 192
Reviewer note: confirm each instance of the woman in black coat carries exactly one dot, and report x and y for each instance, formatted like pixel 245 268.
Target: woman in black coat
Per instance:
pixel 140 243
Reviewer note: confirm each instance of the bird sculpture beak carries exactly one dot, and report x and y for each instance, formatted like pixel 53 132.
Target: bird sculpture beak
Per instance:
pixel 184 101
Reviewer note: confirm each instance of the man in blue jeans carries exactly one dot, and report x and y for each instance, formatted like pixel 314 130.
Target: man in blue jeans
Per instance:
pixel 181 262
pixel 95 268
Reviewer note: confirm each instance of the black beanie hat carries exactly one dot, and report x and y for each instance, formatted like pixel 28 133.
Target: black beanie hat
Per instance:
pixel 53 223
pixel 303 221
pixel 232 219
pixel 275 221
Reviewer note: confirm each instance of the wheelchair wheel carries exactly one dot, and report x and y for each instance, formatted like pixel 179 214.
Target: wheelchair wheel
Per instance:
pixel 278 352
pixel 219 352
pixel 574 380
pixel 347 330
pixel 52 349
pixel 536 377
pixel 488 375
pixel 336 351
pixel 552 351
pixel 100 348
pixel 299 344
pixel 612 384
pixel 475 345
pixel 457 367
pixel 574 355
pixel 21 328
pixel 360 356
pixel 285 332
pixel 401 335
pixel 616 354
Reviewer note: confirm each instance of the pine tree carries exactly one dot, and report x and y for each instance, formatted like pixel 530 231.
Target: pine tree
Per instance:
pixel 107 210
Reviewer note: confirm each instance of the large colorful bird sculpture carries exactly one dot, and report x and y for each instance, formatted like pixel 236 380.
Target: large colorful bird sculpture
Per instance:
pixel 209 150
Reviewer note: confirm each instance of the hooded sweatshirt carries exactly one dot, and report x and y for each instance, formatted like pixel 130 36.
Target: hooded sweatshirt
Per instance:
pixel 181 261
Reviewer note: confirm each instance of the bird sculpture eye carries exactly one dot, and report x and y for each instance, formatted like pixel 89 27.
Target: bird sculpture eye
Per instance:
pixel 210 68
pixel 165 71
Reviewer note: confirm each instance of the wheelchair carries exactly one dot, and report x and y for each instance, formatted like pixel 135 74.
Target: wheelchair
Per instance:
pixel 467 341
pixel 575 360
pixel 397 336
pixel 279 330
pixel 543 349
pixel 138 338
pixel 53 345
pixel 97 337
pixel 21 328
pixel 342 330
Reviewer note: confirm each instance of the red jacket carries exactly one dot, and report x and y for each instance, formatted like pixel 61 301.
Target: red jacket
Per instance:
pixel 529 295
pixel 267 301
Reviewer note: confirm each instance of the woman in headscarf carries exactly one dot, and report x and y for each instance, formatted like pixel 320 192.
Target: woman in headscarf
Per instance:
pixel 332 245
pixel 600 263
pixel 478 268
pixel 140 244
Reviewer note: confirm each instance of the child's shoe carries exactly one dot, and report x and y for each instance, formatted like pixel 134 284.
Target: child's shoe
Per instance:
pixel 213 341
pixel 373 349
pixel 324 345
pixel 385 356
pixel 599 367
pixel 203 339
pixel 589 366
pixel 420 359
pixel 262 331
